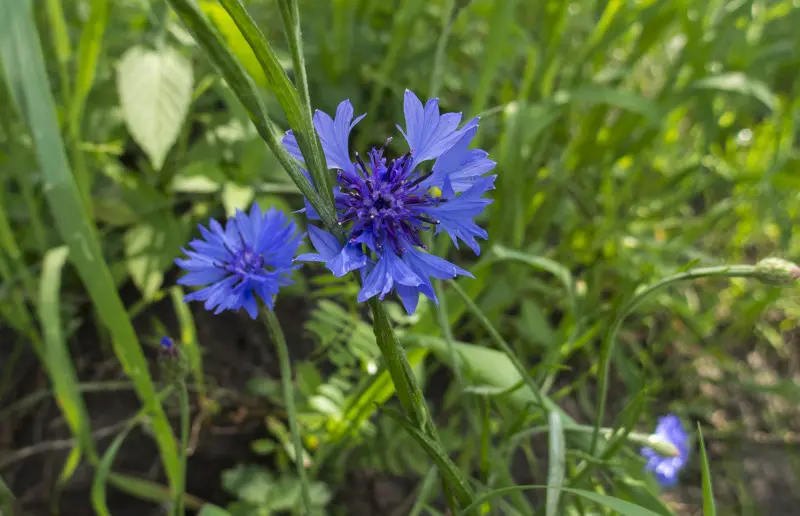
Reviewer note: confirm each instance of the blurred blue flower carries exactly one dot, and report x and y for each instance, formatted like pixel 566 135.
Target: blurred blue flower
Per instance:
pixel 384 205
pixel 167 347
pixel 251 257
pixel 666 469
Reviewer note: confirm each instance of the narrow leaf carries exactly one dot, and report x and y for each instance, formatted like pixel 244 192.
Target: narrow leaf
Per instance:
pixel 453 476
pixel 709 506
pixel 555 473
pixel 57 359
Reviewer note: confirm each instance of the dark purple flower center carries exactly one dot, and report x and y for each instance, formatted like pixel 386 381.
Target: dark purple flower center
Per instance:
pixel 382 202
pixel 245 262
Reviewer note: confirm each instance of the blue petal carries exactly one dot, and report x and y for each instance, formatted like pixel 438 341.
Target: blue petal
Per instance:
pixel 429 135
pixel 455 216
pixel 388 271
pixel 409 296
pixel 460 165
pixel 309 257
pixel 325 243
pixel 334 135
pixel 289 142
pixel 431 265
pixel 375 282
pixel 348 259
pixel 202 277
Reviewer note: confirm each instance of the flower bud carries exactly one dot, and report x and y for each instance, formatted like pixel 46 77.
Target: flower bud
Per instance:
pixel 776 271
pixel 171 361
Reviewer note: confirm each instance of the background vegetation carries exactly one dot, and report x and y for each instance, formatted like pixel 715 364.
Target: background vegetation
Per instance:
pixel 634 140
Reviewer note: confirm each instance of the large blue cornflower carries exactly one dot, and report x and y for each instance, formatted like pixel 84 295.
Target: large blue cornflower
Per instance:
pixel 666 469
pixel 251 257
pixel 383 206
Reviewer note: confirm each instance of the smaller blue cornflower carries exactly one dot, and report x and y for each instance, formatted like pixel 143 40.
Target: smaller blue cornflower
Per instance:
pixel 383 206
pixel 252 257
pixel 666 469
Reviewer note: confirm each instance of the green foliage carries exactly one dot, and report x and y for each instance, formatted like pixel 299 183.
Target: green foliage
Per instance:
pixel 645 149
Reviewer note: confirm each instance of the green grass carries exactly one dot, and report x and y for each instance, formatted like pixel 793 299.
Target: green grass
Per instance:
pixel 638 143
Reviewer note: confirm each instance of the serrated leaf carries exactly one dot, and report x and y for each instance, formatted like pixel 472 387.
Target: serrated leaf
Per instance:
pixel 155 91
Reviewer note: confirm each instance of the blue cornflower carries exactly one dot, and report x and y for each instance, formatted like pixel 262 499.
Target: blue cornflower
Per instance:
pixel 666 469
pixel 251 257
pixel 383 206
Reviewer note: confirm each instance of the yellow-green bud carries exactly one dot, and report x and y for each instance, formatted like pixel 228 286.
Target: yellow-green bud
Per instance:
pixel 776 271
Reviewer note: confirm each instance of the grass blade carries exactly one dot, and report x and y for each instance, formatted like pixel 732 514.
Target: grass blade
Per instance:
pixel 104 470
pixel 709 507
pixel 619 506
pixel 25 70
pixel 55 353
pixel 556 467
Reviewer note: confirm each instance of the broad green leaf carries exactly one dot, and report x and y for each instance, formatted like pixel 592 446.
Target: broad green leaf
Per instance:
pixel 155 91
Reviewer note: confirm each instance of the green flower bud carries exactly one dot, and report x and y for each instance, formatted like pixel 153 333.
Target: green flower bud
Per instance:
pixel 776 271
pixel 171 361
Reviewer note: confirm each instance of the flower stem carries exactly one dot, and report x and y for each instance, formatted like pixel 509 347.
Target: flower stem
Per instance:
pixel 408 391
pixel 183 397
pixel 279 340
pixel 607 349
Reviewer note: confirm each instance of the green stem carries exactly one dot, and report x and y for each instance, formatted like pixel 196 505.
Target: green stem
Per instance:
pixel 279 340
pixel 607 349
pixel 408 391
pixel 290 14
pixel 544 403
pixel 183 396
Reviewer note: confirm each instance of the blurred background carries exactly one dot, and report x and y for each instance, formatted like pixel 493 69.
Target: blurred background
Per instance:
pixel 633 139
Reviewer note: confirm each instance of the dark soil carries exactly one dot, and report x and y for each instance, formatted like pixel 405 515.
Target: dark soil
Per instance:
pixel 34 441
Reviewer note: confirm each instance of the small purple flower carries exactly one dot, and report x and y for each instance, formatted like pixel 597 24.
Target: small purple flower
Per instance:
pixel 666 469
pixel 251 257
pixel 383 206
